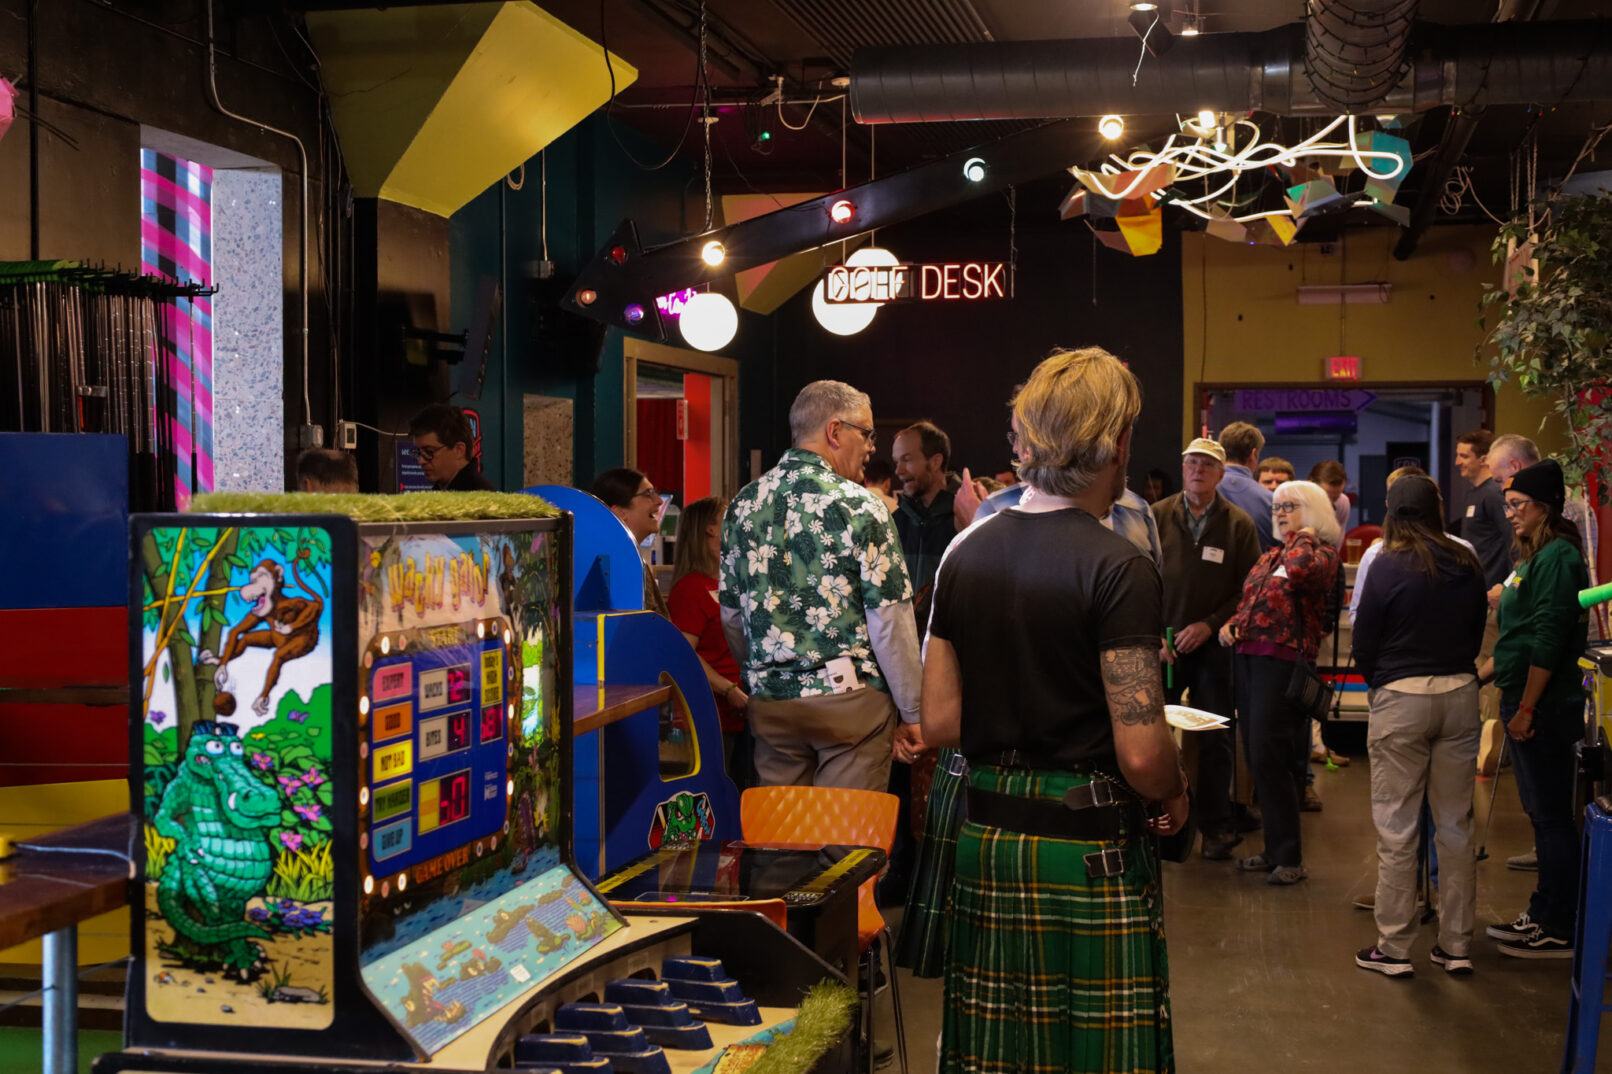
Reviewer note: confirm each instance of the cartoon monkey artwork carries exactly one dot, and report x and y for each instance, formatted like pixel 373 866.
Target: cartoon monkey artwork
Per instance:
pixel 289 626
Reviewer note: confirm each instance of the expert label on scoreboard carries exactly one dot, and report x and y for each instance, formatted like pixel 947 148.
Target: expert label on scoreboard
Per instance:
pixel 492 676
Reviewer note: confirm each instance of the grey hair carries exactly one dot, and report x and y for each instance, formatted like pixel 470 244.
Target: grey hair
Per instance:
pixel 1316 509
pixel 819 403
pixel 1515 446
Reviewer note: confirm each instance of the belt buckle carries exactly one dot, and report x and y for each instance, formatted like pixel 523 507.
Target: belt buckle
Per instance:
pixel 958 765
pixel 1104 863
pixel 1099 792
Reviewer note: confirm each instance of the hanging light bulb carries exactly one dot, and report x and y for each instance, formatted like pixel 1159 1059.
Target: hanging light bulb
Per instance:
pixel 709 321
pixel 849 318
pixel 1207 120
pixel 1111 127
pixel 713 253
pixel 974 169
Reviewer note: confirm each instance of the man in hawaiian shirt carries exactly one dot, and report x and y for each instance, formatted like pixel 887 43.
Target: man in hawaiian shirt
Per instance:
pixel 817 605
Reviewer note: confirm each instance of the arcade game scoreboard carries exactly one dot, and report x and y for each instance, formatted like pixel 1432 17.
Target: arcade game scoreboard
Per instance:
pixel 351 756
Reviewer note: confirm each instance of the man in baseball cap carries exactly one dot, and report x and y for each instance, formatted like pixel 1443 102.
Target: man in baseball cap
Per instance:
pixel 1209 545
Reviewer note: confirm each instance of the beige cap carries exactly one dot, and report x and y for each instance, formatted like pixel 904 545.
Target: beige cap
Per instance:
pixel 1205 446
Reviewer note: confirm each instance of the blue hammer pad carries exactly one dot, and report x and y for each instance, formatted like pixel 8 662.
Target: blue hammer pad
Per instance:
pixel 697 992
pixel 585 1017
pixel 693 1037
pixel 552 1048
pixel 742 1013
pixel 614 1042
pixel 669 1014
pixel 637 992
pixel 646 1060
pixel 692 968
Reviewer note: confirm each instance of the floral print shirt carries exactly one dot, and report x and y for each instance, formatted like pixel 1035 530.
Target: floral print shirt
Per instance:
pixel 806 554
pixel 1285 595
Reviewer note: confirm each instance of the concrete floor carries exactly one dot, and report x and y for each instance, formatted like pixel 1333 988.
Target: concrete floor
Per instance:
pixel 1264 980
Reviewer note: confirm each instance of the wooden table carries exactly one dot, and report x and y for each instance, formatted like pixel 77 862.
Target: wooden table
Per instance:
pixel 45 894
pixel 593 705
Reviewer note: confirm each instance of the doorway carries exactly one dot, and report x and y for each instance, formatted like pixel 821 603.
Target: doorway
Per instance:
pixel 681 423
pixel 1372 429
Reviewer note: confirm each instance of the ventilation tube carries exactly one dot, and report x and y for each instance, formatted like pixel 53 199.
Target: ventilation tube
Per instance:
pixel 1354 50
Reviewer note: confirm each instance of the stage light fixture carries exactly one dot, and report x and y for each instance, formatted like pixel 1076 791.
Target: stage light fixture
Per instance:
pixel 1141 5
pixel 974 169
pixel 713 253
pixel 633 314
pixel 841 211
pixel 709 321
pixel 1190 26
pixel 1207 120
pixel 618 254
pixel 1111 127
pixel 587 297
pixel 849 318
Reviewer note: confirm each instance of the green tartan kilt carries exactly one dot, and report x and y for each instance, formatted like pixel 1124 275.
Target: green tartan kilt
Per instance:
pixel 921 947
pixel 1049 969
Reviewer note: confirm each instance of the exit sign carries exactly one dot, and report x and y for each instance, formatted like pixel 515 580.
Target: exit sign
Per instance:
pixel 1343 367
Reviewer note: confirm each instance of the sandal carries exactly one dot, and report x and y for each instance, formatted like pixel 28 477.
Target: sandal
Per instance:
pixel 1337 759
pixel 1286 874
pixel 1257 863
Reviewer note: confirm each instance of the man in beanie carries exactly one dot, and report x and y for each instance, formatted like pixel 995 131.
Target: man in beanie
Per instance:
pixel 1542 632
pixel 1416 640
pixel 1208 545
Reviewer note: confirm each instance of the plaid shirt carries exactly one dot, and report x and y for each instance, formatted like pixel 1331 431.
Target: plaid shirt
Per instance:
pixel 805 554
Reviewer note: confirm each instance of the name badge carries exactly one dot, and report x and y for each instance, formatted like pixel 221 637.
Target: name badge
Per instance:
pixel 1511 580
pixel 1214 555
pixel 1281 572
pixel 1471 510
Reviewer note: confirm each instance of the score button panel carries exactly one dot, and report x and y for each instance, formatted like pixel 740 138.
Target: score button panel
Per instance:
pixel 393 761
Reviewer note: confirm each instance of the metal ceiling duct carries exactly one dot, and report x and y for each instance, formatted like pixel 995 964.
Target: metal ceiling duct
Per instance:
pixel 1354 50
pixel 1466 66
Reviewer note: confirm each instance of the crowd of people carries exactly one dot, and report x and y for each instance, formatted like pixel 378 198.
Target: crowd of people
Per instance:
pixel 1002 655
pixel 1012 651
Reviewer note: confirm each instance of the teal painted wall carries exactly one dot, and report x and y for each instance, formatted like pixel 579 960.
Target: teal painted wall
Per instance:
pixel 592 186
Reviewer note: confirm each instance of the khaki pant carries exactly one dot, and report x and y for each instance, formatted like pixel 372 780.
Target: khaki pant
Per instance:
pixel 836 740
pixel 1494 732
pixel 1423 743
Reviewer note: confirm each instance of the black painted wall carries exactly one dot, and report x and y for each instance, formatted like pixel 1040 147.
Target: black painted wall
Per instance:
pixel 957 363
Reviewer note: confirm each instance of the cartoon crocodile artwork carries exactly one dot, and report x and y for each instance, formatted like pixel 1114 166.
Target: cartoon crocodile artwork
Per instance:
pixel 547 939
pixel 505 920
pixel 219 815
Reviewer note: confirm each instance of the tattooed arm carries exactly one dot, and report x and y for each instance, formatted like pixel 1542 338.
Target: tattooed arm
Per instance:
pixel 1143 743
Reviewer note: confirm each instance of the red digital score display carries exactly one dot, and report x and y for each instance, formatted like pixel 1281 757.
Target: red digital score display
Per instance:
pixel 492 723
pixel 458 684
pixel 459 731
pixel 453 798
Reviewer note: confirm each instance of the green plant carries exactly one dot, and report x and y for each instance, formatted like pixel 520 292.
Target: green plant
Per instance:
pixel 158 847
pixel 307 875
pixel 1552 322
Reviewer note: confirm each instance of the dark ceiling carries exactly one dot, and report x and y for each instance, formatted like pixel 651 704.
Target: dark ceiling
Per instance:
pixel 809 43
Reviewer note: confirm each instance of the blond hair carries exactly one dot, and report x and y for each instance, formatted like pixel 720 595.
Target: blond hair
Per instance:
pixel 1315 510
pixel 1071 414
pixel 693 554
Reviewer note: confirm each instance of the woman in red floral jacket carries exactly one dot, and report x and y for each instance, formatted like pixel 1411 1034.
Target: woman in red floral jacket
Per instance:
pixel 1279 623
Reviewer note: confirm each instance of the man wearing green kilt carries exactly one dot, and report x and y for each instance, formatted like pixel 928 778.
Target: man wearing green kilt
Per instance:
pixel 1042 668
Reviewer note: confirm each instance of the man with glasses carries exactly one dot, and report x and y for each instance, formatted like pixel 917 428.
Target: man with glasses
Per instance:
pixel 817 606
pixel 442 440
pixel 1483 524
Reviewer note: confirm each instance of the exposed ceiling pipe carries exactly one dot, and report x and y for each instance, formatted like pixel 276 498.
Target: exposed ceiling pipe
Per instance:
pixel 1458 132
pixel 1354 50
pixel 1465 66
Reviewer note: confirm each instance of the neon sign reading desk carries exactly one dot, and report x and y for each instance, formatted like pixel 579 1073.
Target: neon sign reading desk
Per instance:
pixel 965 281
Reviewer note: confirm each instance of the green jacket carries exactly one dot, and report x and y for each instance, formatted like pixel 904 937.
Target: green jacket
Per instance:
pixel 1541 624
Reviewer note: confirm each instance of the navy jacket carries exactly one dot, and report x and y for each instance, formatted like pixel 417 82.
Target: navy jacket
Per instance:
pixel 1411 623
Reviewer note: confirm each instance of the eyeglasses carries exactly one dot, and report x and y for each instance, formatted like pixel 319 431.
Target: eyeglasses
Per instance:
pixel 1285 506
pixel 867 434
pixel 428 452
pixel 648 493
pixel 1013 440
pixel 1513 506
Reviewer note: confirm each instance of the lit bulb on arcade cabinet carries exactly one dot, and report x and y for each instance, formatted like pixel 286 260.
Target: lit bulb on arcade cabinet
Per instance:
pixel 363 797
pixel 369 885
pixel 363 705
pixel 386 644
pixel 402 882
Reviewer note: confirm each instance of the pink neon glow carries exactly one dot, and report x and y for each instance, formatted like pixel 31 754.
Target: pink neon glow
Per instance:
pixel 672 305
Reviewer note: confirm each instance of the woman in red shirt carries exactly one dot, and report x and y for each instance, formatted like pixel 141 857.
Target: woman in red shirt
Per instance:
pixel 695 612
pixel 1277 625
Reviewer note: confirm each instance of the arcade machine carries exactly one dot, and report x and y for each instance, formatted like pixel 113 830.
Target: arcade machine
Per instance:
pixel 649 756
pixel 351 750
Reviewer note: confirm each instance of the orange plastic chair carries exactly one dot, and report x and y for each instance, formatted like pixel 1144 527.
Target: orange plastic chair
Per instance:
pixel 773 910
pixel 817 816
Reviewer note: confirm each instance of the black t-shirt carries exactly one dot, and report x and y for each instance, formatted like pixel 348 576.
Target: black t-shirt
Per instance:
pixel 1030 601
pixel 1484 524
